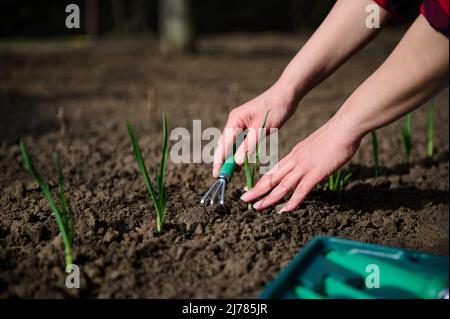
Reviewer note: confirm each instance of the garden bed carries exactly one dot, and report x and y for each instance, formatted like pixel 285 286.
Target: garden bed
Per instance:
pixel 203 251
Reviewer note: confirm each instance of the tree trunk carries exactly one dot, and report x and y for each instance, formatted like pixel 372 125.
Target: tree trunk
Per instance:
pixel 92 18
pixel 176 30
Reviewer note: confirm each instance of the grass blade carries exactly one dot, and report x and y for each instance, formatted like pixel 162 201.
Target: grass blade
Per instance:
pixel 141 165
pixel 408 124
pixel 261 136
pixel 248 176
pixel 430 145
pixel 375 158
pixel 162 172
pixel 346 180
pixel 331 182
pixel 338 182
pixel 248 172
pixel 66 209
pixel 163 200
pixel 28 163
pixel 258 145
pixel 159 199
pixel 406 137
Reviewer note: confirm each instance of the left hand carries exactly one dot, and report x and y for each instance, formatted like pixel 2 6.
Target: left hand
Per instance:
pixel 309 162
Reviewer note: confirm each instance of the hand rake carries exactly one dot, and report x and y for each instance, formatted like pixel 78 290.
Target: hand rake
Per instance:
pixel 225 174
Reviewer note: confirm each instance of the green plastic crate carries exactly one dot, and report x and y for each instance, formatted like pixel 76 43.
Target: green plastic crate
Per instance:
pixel 330 267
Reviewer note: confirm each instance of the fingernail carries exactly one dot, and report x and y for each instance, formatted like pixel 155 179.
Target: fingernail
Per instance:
pixel 258 205
pixel 244 197
pixel 283 210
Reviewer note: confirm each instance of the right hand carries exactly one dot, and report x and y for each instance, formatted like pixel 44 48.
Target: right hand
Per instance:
pixel 278 99
pixel 310 161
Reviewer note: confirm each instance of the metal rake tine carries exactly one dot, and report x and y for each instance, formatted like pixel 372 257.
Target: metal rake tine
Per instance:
pixel 203 200
pixel 222 193
pixel 211 202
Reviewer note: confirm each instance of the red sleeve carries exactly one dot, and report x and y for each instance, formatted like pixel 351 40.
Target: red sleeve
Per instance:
pixel 383 3
pixel 436 12
pixel 393 6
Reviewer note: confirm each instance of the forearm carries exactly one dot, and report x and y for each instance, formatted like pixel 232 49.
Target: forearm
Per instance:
pixel 340 35
pixel 415 72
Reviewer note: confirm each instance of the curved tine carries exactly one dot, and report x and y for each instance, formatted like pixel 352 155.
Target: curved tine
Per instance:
pixel 203 200
pixel 222 193
pixel 211 202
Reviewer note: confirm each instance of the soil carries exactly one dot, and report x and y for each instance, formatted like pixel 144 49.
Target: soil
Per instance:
pixel 203 252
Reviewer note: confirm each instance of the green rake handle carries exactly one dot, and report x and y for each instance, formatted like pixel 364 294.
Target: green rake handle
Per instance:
pixel 229 166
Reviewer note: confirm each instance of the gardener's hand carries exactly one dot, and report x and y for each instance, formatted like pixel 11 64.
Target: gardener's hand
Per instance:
pixel 327 49
pixel 309 162
pixel 409 78
pixel 281 102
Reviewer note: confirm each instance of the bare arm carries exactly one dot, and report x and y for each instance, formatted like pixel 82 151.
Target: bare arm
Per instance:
pixel 341 34
pixel 416 71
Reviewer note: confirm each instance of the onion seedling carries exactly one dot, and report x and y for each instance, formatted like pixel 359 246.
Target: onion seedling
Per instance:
pixel 406 137
pixel 159 199
pixel 336 183
pixel 64 215
pixel 430 129
pixel 250 170
pixel 376 163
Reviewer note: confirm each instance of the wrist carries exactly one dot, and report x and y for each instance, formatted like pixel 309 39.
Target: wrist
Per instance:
pixel 347 125
pixel 289 91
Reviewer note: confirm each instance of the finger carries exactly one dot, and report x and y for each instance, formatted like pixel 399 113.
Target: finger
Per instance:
pixel 269 180
pixel 226 141
pixel 287 185
pixel 305 186
pixel 248 146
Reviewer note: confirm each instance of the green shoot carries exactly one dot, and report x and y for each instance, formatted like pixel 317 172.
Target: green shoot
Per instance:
pixel 430 129
pixel 336 183
pixel 248 177
pixel 250 171
pixel 64 215
pixel 375 158
pixel 406 137
pixel 159 198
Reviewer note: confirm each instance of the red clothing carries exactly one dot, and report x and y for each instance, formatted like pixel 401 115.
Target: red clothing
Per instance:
pixel 435 11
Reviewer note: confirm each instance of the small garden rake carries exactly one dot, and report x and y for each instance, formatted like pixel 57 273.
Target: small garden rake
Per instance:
pixel 225 174
pixel 228 168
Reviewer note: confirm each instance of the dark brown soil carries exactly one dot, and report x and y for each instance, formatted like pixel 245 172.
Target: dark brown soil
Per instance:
pixel 203 252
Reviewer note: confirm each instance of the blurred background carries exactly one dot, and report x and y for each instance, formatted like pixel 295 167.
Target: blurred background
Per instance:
pixel 129 57
pixel 177 22
pixel 70 91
